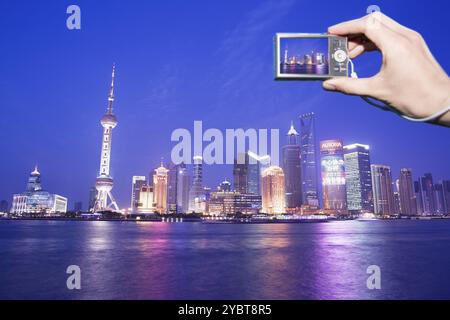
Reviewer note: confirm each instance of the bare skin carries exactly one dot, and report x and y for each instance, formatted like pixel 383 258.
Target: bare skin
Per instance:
pixel 410 78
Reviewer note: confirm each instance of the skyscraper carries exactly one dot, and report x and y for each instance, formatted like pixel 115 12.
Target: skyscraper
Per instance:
pixel 196 192
pixel 104 182
pixel 92 198
pixel 408 203
pixel 310 194
pixel 418 194
pixel 427 194
pixel 145 203
pixel 172 188
pixel 257 164
pixel 183 186
pixel 273 191
pixel 160 189
pixel 396 203
pixel 240 173
pixel 264 163
pixel 333 175
pixel 253 174
pixel 383 194
pixel 292 169
pixel 446 189
pixel 358 177
pixel 137 183
pixel 246 173
pixel 439 199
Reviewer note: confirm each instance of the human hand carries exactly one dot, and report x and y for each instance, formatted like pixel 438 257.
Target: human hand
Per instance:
pixel 410 78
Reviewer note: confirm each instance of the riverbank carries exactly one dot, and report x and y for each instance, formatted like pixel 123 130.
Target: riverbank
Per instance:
pixel 214 220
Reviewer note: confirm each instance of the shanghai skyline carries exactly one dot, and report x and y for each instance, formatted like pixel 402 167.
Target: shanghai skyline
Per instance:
pixel 153 99
pixel 182 154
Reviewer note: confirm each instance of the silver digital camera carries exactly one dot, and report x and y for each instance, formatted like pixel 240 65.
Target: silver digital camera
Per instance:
pixel 309 56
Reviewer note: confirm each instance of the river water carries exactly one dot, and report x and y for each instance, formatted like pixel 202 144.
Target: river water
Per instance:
pixel 128 260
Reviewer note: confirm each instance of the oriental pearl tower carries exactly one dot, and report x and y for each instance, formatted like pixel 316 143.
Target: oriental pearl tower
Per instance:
pixel 104 182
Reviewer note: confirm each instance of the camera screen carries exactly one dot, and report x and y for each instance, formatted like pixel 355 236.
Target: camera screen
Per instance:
pixel 304 56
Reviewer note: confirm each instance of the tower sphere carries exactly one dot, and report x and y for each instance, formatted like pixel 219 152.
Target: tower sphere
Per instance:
pixel 104 183
pixel 109 120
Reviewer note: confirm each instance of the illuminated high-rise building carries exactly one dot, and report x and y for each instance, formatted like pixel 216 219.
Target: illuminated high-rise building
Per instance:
pixel 253 176
pixel 240 173
pixel 183 186
pixel 439 199
pixel 418 194
pixel 408 202
pixel 246 173
pixel 137 183
pixel 358 177
pixel 172 188
pixel 231 202
pixel 273 191
pixel 145 203
pixel 196 192
pixel 446 190
pixel 160 189
pixel 427 194
pixel 333 175
pixel 383 193
pixel 257 164
pixel 92 198
pixel 396 203
pixel 104 182
pixel 264 163
pixel 310 194
pixel 292 169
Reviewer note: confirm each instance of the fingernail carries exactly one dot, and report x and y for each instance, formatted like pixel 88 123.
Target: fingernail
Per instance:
pixel 328 85
pixel 331 28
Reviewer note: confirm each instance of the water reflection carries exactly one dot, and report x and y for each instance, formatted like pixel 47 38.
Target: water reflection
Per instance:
pixel 196 261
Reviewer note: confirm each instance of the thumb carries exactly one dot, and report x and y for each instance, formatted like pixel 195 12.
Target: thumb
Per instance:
pixel 360 87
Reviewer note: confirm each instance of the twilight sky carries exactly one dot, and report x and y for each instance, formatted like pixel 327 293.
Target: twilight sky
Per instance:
pixel 180 61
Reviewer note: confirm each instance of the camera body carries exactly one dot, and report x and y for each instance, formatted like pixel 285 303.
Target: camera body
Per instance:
pixel 310 56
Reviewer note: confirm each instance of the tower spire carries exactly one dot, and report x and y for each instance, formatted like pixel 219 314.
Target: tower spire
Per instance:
pixel 111 90
pixel 36 171
pixel 292 130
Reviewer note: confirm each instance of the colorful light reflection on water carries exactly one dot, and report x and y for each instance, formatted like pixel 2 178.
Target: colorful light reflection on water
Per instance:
pixel 121 260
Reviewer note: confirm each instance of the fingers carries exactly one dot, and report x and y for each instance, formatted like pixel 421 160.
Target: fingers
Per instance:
pixel 356 49
pixel 360 87
pixel 372 26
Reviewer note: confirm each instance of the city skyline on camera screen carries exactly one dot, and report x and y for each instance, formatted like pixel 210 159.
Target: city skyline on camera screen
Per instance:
pixel 304 56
